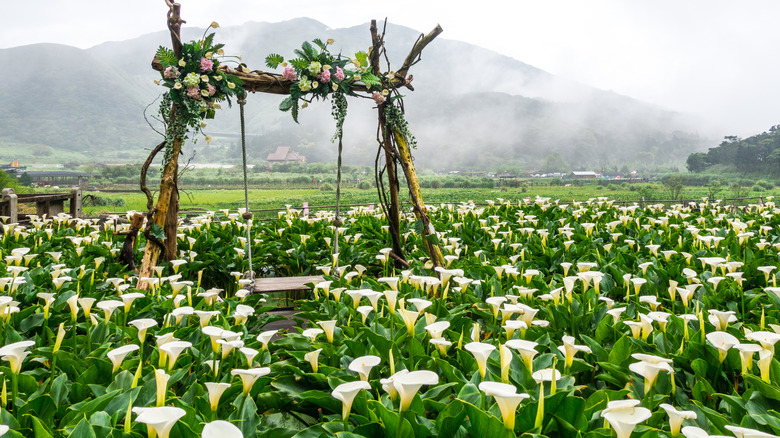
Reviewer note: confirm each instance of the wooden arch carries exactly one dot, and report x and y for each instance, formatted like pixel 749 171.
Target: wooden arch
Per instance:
pixel 392 143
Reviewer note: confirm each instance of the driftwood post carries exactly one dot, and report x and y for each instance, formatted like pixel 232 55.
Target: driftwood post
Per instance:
pixel 165 213
pixel 396 148
pixel 392 208
pixel 126 255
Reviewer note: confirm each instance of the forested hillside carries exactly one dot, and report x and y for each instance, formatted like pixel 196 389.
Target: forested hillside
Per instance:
pixel 759 154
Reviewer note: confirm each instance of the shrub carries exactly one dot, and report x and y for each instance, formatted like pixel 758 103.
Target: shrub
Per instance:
pixel 487 183
pixel 96 200
pixel 326 187
pixel 436 184
pixel 365 185
pixel 557 182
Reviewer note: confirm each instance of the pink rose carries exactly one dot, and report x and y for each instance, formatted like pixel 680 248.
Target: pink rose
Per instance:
pixel 171 72
pixel 206 65
pixel 324 76
pixel 289 73
pixel 378 98
pixel 193 92
pixel 339 74
pixel 212 89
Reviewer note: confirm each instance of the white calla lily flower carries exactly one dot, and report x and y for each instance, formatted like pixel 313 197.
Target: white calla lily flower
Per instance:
pixel 160 419
pixel 407 385
pixel 221 429
pixel 346 393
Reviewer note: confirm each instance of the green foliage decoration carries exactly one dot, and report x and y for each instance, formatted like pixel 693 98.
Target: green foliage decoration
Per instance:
pixel 396 121
pixel 318 74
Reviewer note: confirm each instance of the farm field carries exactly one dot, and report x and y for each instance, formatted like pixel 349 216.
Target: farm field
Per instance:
pixel 277 198
pixel 549 319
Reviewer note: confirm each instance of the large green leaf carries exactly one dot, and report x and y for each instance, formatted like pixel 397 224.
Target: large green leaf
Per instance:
pixel 481 424
pixel 83 430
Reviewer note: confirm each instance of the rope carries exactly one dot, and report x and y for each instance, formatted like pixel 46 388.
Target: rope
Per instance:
pixel 337 222
pixel 247 214
pixel 339 112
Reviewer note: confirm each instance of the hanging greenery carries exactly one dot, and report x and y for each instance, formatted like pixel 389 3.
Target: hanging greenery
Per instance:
pixel 395 119
pixel 195 84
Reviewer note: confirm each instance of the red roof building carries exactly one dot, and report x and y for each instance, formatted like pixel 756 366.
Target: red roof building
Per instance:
pixel 283 154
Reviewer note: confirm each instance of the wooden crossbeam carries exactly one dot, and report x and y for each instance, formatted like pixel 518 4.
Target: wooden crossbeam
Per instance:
pixel 254 81
pixel 257 81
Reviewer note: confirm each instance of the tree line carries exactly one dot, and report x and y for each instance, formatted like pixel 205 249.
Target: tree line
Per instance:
pixel 759 154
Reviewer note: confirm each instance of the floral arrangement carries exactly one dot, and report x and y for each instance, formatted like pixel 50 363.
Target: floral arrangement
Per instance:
pixel 318 73
pixel 195 84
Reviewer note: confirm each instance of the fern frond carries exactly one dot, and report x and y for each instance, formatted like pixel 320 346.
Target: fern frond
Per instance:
pixel 166 56
pixel 299 63
pixel 371 80
pixel 208 41
pixel 295 111
pixel 273 60
pixel 311 52
pixel 287 104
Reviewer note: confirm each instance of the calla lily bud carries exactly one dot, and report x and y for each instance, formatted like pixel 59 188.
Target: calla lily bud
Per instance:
pixel 60 337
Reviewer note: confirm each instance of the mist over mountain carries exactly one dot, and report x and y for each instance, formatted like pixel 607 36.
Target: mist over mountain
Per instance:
pixel 471 108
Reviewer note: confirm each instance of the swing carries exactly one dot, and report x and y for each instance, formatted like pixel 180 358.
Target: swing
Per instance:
pixel 274 284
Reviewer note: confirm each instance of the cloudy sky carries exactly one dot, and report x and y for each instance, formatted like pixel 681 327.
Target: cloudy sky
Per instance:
pixel 711 58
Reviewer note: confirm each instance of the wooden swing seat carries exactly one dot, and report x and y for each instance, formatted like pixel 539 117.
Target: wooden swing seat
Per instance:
pixel 291 287
pixel 285 284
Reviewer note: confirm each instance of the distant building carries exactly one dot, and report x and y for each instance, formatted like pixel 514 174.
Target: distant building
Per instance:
pixel 14 168
pixel 283 154
pixel 584 174
pixel 59 178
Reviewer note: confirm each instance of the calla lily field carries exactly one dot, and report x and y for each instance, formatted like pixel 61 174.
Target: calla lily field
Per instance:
pixel 549 319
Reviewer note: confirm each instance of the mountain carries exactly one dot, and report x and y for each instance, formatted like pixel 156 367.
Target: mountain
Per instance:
pixel 471 108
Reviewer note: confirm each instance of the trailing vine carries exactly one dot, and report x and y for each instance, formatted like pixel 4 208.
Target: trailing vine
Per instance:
pixel 338 109
pixel 396 121
pixel 177 127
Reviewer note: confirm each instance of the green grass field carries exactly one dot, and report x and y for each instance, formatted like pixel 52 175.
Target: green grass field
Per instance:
pixel 260 199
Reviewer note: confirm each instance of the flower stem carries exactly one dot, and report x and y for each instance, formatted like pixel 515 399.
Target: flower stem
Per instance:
pixel 398 431
pixel 75 343
pixel 89 336
pixel 15 389
pixel 53 365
